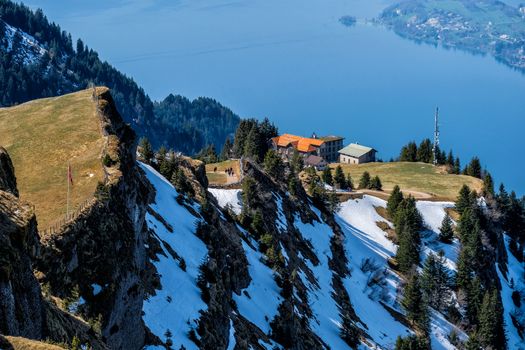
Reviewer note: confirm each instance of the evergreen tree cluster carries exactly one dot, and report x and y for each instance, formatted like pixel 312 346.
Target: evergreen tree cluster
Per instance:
pixel 252 139
pixel 484 311
pixel 66 67
pixel 208 155
pixel 371 183
pixel 412 153
pixel 407 223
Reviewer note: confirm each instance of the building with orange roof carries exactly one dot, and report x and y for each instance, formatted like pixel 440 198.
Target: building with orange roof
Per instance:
pixel 324 147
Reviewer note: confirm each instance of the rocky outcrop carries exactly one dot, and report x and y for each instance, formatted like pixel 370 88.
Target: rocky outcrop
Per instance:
pixel 7 173
pixel 96 264
pixel 21 307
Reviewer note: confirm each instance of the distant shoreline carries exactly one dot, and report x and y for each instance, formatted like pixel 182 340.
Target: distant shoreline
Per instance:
pixel 489 27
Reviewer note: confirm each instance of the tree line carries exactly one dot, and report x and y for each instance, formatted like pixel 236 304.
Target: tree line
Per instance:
pixel 65 67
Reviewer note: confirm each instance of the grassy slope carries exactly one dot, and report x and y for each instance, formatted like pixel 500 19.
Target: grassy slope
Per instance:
pixel 42 136
pixel 416 177
pixel 19 343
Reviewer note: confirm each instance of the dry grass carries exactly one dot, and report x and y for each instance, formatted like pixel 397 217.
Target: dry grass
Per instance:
pixel 27 344
pixel 42 136
pixel 217 176
pixel 422 180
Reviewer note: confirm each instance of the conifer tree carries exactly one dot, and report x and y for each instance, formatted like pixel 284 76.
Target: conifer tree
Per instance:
pixel 339 178
pixel 488 184
pixel 349 182
pixel 375 184
pixel 491 325
pixel 450 159
pixel 474 293
pixel 473 342
pixel 414 303
pixel 435 281
pixel 396 197
pixel 146 150
pixel 446 232
pixel 408 153
pixel 326 176
pixel 241 134
pixel 474 168
pixel 463 201
pixel 226 150
pixel 408 223
pixel 273 164
pixel 364 181
pixel 457 166
pixel 424 152
pixel 252 143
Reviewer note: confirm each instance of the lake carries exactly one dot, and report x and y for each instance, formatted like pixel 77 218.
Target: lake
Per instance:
pixel 293 62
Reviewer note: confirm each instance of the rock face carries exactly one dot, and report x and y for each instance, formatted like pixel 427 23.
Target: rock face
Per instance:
pixel 21 307
pixel 7 173
pixel 98 261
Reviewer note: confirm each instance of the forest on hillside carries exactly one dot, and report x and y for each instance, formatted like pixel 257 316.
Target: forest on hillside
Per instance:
pixel 38 59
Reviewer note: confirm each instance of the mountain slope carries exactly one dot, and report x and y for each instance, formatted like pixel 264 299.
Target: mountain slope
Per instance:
pixel 38 60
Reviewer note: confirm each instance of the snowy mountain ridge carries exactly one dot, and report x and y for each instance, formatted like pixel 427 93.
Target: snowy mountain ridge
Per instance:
pixel 372 286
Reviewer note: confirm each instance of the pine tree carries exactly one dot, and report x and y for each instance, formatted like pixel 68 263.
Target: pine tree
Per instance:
pixel 364 181
pixel 273 164
pixel 145 150
pixel 446 232
pixel 375 184
pixel 241 134
pixel 474 293
pixel 424 152
pixel 473 342
pixel 488 184
pixel 326 176
pixel 252 143
pixel 457 166
pixel 226 150
pixel 491 325
pixel 435 281
pixel 408 223
pixel 463 201
pixel 349 182
pixel 474 168
pixel 414 304
pixel 339 178
pixel 408 153
pixel 450 159
pixel 396 197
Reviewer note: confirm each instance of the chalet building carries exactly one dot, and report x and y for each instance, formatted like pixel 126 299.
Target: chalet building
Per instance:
pixel 357 154
pixel 316 162
pixel 324 147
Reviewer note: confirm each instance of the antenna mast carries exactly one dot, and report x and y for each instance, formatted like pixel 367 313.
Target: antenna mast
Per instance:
pixel 436 137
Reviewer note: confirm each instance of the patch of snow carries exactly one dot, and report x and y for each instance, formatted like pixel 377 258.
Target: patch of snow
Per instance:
pixel 177 304
pixel 327 322
pixel 231 197
pixel 364 240
pixel 281 218
pixel 96 288
pixel 231 338
pixel 259 302
pixel 516 273
pixel 30 50
pixel 433 214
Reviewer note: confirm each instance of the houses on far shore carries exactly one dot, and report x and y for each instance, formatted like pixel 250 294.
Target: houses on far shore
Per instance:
pixel 319 151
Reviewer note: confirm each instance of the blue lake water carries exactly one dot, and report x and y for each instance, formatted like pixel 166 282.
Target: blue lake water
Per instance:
pixel 295 63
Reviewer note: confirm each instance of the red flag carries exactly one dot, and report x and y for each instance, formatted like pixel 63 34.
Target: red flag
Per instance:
pixel 69 174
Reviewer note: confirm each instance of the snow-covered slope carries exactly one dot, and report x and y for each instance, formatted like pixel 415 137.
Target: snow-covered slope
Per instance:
pixel 175 307
pixel 29 50
pixel 513 280
pixel 367 249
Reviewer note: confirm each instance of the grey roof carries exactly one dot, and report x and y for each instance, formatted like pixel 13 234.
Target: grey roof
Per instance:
pixel 314 160
pixel 356 150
